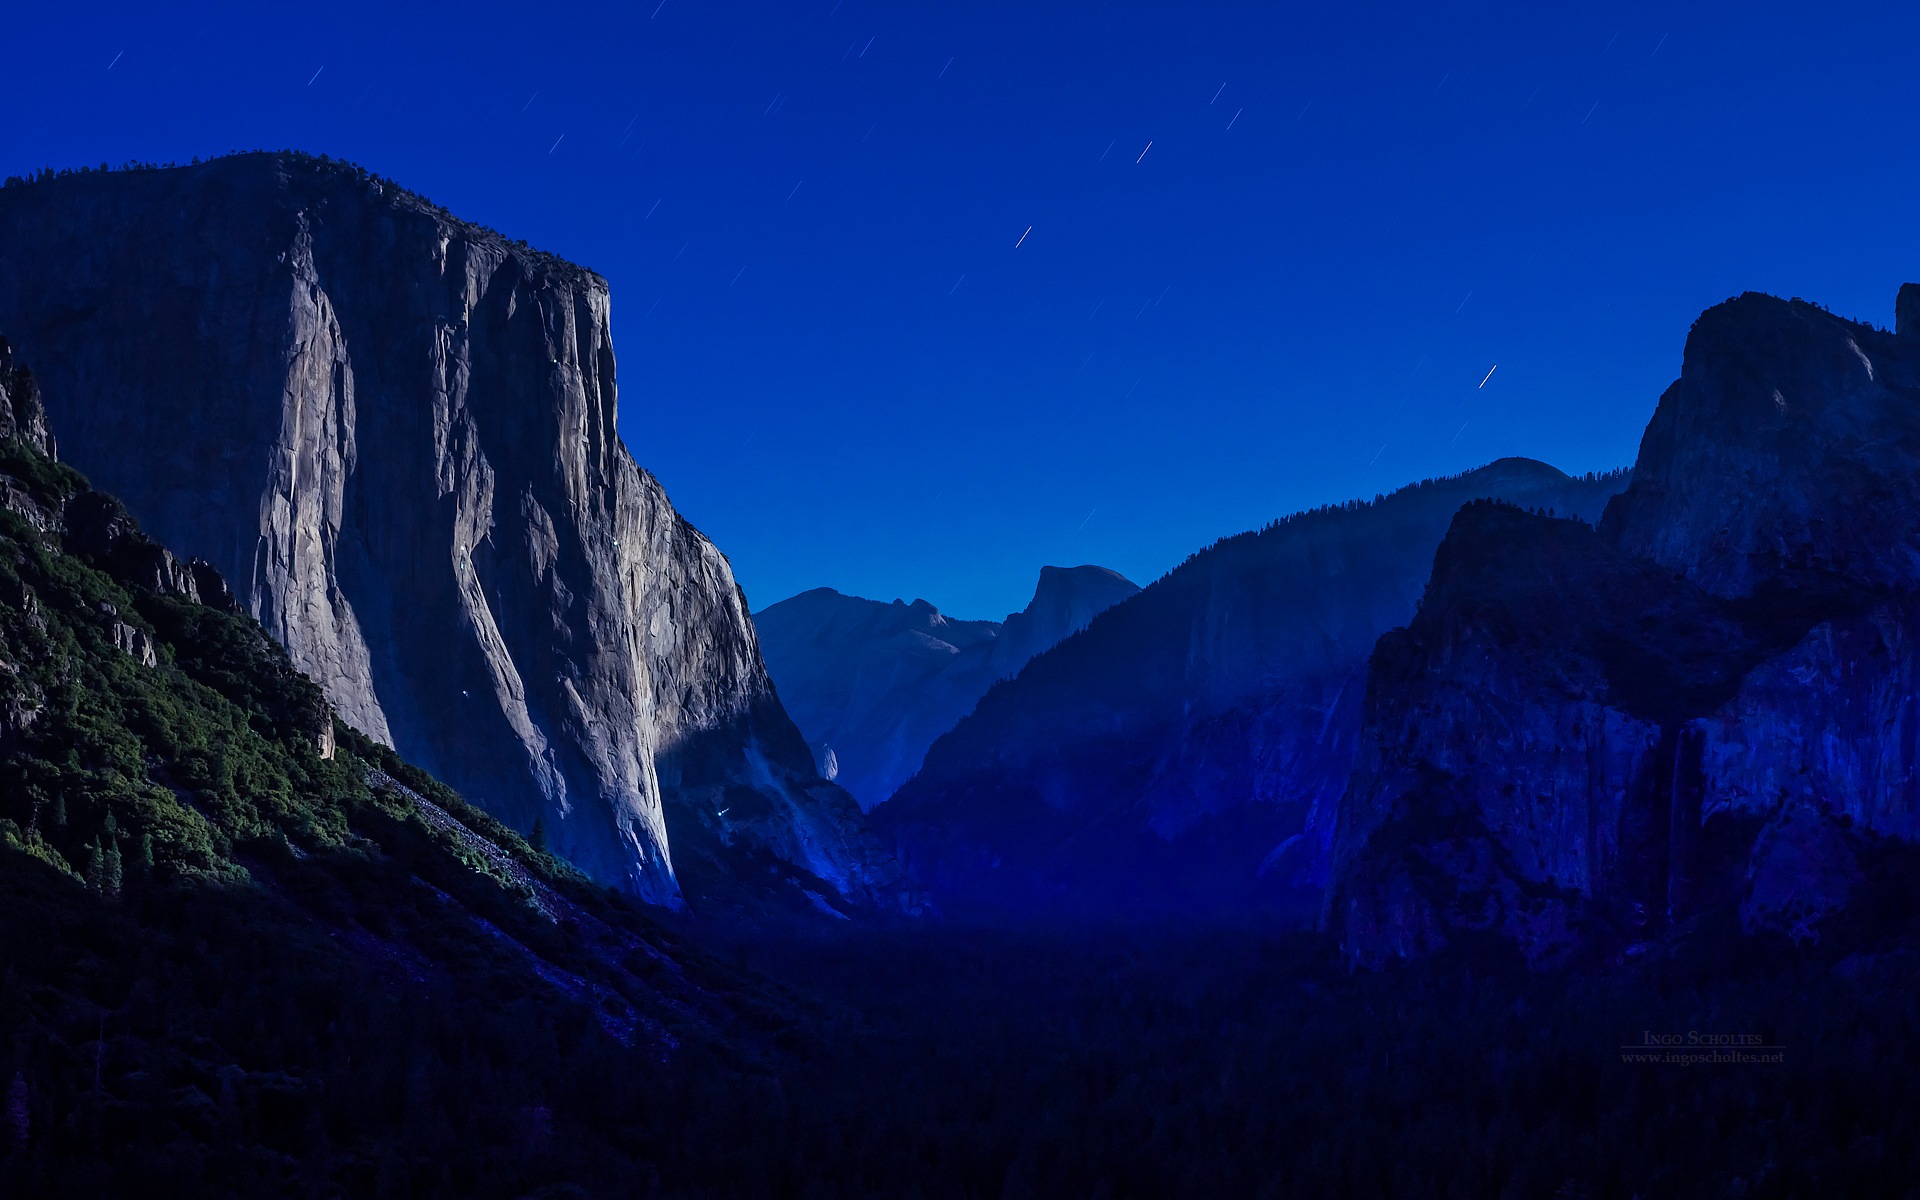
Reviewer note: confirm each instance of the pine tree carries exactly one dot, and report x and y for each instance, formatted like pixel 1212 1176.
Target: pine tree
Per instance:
pixel 538 838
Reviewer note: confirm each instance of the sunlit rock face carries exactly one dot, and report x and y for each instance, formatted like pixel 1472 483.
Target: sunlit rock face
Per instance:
pixel 1187 751
pixel 1708 704
pixel 394 432
pixel 872 684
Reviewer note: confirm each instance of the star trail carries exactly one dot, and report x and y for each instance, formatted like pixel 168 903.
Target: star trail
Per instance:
pixel 920 386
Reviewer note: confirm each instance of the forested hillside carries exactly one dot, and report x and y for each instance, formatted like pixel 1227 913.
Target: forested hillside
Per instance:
pixel 248 952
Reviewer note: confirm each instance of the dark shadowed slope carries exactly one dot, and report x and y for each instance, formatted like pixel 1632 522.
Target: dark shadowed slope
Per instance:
pixel 1700 716
pixel 394 431
pixel 871 685
pixel 1187 748
pixel 245 951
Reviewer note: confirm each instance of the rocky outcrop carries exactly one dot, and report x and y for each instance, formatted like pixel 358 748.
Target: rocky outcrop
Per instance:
pixel 89 529
pixel 1906 311
pixel 23 418
pixel 871 685
pixel 1525 764
pixel 1188 749
pixel 1783 457
pixel 395 432
pixel 1065 601
pixel 1706 705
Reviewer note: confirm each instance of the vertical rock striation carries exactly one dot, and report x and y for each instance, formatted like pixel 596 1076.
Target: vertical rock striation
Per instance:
pixel 1712 697
pixel 395 433
pixel 1524 749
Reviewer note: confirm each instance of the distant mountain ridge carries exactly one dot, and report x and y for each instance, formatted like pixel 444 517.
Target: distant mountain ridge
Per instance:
pixel 871 684
pixel 1189 748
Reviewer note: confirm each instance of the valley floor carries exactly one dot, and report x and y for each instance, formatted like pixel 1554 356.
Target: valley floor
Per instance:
pixel 1236 1062
pixel 939 1062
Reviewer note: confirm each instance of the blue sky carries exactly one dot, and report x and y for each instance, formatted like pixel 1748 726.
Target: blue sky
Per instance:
pixel 1270 251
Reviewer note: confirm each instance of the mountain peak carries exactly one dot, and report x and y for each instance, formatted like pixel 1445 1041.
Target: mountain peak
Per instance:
pixel 874 683
pixel 1065 601
pixel 1786 444
pixel 1758 334
pixel 1062 584
pixel 1517 470
pixel 1906 311
pixel 1186 748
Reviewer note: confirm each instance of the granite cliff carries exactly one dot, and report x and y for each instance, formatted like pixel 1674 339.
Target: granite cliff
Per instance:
pixel 1588 740
pixel 1187 749
pixel 23 417
pixel 209 888
pixel 871 684
pixel 395 433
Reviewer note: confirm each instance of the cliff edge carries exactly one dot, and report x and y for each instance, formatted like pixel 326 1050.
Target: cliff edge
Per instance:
pixel 395 433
